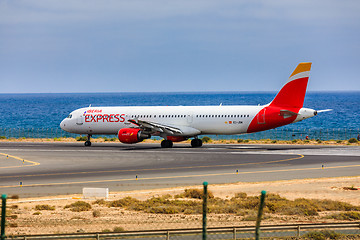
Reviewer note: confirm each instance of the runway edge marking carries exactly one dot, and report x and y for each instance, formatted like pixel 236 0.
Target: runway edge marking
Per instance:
pixel 20 159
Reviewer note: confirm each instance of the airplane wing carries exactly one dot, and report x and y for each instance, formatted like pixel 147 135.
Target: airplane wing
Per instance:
pixel 152 128
pixel 155 127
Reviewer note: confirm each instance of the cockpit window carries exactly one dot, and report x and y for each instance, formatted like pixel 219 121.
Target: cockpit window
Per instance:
pixel 70 116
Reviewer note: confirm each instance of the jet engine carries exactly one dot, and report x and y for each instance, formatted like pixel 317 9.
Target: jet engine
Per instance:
pixel 132 135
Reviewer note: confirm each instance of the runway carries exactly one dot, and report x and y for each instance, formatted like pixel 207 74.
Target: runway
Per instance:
pixel 40 169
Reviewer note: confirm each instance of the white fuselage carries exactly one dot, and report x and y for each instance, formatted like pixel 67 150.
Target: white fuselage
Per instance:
pixel 206 119
pixel 194 120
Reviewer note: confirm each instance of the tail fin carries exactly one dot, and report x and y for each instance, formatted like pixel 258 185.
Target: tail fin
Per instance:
pixel 293 92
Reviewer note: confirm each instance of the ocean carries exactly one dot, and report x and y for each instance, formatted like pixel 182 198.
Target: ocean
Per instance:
pixel 46 110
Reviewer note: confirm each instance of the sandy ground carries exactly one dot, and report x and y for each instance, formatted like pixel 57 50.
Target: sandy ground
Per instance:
pixel 64 221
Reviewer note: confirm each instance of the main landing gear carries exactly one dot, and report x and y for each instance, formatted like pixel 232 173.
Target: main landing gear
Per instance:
pixel 166 144
pixel 88 143
pixel 196 142
pixel 169 144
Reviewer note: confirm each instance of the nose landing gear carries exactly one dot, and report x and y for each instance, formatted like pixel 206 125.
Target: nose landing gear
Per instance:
pixel 88 143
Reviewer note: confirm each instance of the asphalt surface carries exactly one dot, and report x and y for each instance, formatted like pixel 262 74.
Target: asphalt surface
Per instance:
pixel 40 169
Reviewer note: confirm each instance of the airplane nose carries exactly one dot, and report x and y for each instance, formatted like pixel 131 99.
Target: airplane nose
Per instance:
pixel 63 125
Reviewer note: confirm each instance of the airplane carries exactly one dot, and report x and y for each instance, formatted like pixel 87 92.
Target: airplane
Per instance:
pixel 179 123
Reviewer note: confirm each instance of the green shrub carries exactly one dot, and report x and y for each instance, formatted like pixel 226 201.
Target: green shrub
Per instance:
pixel 353 140
pixel 240 140
pixel 339 141
pixel 322 235
pixel 330 205
pixel 350 216
pixel 306 141
pixel 79 206
pixel 119 229
pixel 294 141
pixel 318 141
pixel 114 139
pixel 13 225
pixel 2 137
pixel 246 140
pixel 273 141
pixel 124 202
pixel 166 206
pixel 100 202
pixel 44 207
pixel 196 193
pixel 80 138
pixel 252 216
pixel 96 213
pixel 240 195
pixel 206 139
pixel 106 230
pixel 36 213
pixel 14 197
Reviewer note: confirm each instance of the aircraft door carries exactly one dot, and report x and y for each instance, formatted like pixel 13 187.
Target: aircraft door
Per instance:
pixel 261 116
pixel 189 118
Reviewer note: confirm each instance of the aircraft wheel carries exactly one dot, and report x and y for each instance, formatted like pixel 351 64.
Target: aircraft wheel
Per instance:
pixel 87 144
pixel 196 142
pixel 166 144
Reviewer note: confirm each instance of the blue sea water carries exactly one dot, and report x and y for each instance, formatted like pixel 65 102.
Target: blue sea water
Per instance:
pixel 27 111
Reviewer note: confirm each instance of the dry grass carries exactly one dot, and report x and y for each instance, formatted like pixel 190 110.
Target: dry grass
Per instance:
pixel 79 206
pixel 44 207
pixel 240 204
pixel 151 210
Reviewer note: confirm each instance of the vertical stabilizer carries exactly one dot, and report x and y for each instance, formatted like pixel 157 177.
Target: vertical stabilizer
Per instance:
pixel 293 92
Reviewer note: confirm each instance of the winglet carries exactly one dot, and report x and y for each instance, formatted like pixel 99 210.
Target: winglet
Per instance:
pixel 293 92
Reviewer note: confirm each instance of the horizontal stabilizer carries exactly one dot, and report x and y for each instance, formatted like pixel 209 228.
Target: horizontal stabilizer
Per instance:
pixel 325 110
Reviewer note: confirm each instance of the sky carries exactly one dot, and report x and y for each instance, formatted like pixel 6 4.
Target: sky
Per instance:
pixel 51 46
